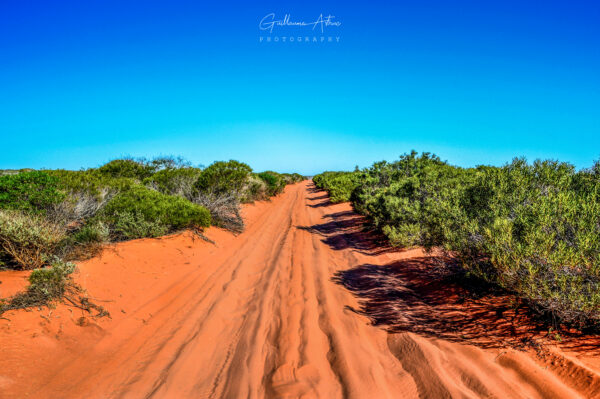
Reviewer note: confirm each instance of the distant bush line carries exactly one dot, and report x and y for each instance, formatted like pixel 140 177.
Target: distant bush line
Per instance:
pixel 53 216
pixel 532 229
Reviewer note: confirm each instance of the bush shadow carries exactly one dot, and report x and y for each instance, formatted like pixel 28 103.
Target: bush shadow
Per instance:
pixel 422 295
pixel 320 197
pixel 348 230
pixel 312 189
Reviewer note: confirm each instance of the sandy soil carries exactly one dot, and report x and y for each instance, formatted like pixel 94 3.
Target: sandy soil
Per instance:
pixel 303 304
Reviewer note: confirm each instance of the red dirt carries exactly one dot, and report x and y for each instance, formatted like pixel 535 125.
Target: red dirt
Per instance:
pixel 12 282
pixel 303 304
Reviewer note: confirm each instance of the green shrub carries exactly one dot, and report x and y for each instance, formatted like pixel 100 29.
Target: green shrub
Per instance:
pixel 157 209
pixel 128 168
pixel 86 242
pixel 175 181
pixel 45 285
pixel 531 229
pixel 339 185
pixel 275 184
pixel 167 162
pixel 290 178
pixel 412 200
pixel 27 238
pixel 89 181
pixel 255 189
pixel 222 177
pixel 92 233
pixel 534 230
pixel 131 225
pixel 29 191
pixel 50 282
pixel 83 209
pixel 295 177
pixel 224 209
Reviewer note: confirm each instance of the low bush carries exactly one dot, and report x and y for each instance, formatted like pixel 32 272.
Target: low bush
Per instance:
pixel 339 185
pixel 32 191
pixel 292 178
pixel 158 211
pixel 71 213
pixel 411 200
pixel 274 181
pixel 223 177
pixel 28 239
pixel 78 207
pixel 128 168
pixel 224 209
pixel 131 225
pixel 531 229
pixel 89 181
pixel 92 233
pixel 255 189
pixel 167 162
pixel 85 242
pixel 175 181
pixel 51 213
pixel 45 285
pixel 224 206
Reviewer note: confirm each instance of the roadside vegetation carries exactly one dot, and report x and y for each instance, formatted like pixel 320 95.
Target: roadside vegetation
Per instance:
pixel 339 185
pixel 529 228
pixel 51 217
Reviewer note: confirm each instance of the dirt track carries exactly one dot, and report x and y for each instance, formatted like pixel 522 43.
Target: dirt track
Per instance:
pixel 284 310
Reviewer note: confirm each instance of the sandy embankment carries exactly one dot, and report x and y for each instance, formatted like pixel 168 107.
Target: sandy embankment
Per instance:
pixel 285 309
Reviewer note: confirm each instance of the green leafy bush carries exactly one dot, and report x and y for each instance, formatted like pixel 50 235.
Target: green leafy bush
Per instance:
pixel 45 285
pixel 222 177
pixel 50 282
pixel 45 214
pixel 76 210
pixel 92 233
pixel 131 225
pixel 128 168
pixel 175 181
pixel 290 178
pixel 412 199
pixel 84 242
pixel 296 178
pixel 89 181
pixel 155 208
pixel 32 191
pixel 255 189
pixel 531 229
pixel 339 185
pixel 224 209
pixel 28 238
pixel 274 181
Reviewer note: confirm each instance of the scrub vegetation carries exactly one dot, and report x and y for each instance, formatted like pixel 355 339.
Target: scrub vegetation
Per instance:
pixel 50 217
pixel 528 228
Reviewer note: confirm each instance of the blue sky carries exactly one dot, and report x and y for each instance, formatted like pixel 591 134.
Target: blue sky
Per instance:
pixel 83 82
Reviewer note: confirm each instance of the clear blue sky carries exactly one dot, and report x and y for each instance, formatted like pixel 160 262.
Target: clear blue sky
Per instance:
pixel 82 82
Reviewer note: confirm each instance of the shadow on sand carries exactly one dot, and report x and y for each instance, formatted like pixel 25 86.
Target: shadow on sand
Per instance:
pixel 346 229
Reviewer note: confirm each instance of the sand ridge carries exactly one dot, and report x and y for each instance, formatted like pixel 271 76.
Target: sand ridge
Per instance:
pixel 303 304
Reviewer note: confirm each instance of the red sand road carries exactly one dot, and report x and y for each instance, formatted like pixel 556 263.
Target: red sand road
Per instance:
pixel 303 304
